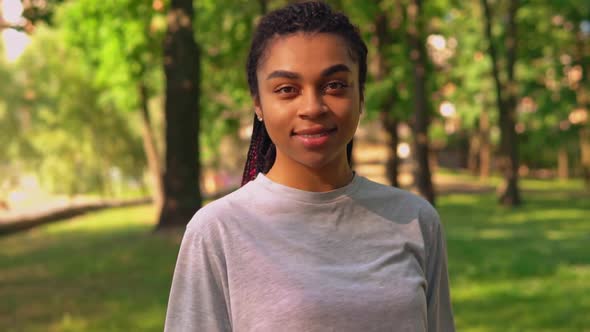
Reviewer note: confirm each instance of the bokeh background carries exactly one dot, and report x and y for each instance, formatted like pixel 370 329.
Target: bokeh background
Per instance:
pixel 120 118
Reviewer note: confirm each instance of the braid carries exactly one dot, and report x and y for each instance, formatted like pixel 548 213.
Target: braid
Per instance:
pixel 261 153
pixel 313 16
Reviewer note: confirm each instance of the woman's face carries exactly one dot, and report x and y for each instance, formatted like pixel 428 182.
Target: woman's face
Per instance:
pixel 309 98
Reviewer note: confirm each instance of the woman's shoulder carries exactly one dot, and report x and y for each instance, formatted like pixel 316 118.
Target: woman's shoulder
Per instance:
pixel 375 190
pixel 211 214
pixel 394 198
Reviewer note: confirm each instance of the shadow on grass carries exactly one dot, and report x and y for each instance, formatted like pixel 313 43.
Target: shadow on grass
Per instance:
pixel 102 272
pixel 519 270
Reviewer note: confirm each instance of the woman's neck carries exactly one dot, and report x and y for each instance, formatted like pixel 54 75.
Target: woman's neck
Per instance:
pixel 295 175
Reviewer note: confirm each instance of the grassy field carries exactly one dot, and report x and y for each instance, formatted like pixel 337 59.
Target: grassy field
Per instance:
pixel 105 271
pixel 521 270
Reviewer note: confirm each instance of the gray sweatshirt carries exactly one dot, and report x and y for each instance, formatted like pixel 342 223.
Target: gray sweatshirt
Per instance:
pixel 270 258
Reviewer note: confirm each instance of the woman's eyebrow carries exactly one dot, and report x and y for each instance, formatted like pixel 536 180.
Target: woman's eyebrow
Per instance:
pixel 283 74
pixel 335 69
pixel 292 75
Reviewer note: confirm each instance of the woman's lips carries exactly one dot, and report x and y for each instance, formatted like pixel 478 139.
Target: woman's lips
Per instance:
pixel 314 137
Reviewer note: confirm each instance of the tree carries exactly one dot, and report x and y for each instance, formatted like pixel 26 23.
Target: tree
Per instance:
pixel 469 84
pixel 578 16
pixel 224 45
pixel 506 98
pixel 57 126
pixel 398 29
pixel 121 39
pixel 418 55
pixel 386 93
pixel 547 86
pixel 182 196
pixel 388 118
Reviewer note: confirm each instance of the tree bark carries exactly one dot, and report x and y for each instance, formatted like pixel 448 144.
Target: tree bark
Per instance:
pixel 182 196
pixel 484 145
pixel 508 193
pixel 463 148
pixel 390 125
pixel 422 176
pixel 388 120
pixel 474 152
pixel 583 101
pixel 150 148
pixel 562 163
pixel 585 155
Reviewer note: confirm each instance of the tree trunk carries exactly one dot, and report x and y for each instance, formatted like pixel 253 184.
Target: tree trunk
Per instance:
pixel 182 196
pixel 508 192
pixel 463 148
pixel 149 146
pixel 390 125
pixel 562 163
pixel 585 154
pixel 422 176
pixel 432 159
pixel 474 152
pixel 388 120
pixel 582 57
pixel 484 145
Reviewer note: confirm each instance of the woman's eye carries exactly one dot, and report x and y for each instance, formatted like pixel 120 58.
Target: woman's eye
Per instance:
pixel 286 90
pixel 335 86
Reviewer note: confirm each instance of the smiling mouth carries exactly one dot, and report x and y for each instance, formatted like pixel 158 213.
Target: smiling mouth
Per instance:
pixel 314 133
pixel 314 138
pixel 325 133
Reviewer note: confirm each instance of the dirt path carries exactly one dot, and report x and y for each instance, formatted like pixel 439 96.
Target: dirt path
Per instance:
pixel 20 222
pixel 370 158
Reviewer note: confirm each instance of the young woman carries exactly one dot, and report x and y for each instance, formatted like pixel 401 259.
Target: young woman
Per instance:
pixel 306 244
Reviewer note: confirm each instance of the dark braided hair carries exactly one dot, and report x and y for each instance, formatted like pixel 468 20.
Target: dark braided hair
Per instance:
pixel 306 17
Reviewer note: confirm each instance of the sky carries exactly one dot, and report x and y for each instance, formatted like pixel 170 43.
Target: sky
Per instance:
pixel 15 41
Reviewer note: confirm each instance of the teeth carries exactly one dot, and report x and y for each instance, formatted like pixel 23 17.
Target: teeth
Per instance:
pixel 314 135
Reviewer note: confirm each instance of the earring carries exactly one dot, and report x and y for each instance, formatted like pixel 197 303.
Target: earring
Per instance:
pixel 259 118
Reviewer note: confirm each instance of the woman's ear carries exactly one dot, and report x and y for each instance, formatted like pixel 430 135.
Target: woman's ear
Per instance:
pixel 258 108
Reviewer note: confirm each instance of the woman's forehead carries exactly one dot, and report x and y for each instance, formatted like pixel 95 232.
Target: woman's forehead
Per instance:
pixel 306 51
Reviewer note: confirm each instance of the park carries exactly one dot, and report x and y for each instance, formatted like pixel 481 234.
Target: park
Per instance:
pixel 121 119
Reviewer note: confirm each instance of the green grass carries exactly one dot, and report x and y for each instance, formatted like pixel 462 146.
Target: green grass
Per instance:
pixel 521 270
pixel 104 271
pixel 527 183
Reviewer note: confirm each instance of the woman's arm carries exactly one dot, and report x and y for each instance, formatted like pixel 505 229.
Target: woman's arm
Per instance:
pixel 440 313
pixel 198 294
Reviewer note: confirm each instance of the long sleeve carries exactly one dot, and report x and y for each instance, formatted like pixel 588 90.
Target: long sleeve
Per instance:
pixel 440 313
pixel 198 294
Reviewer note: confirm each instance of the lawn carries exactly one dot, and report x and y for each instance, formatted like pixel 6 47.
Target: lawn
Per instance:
pixel 521 270
pixel 104 271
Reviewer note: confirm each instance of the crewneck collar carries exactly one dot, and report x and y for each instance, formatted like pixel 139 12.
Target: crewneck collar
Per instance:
pixel 308 196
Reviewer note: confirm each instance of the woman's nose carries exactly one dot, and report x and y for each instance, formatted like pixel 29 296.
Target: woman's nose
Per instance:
pixel 312 105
